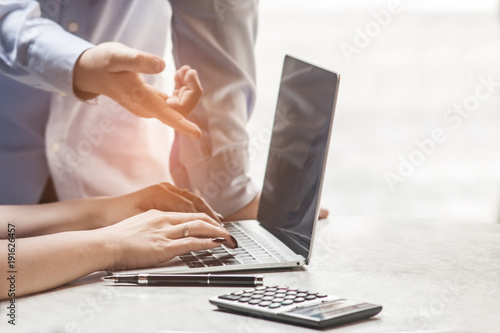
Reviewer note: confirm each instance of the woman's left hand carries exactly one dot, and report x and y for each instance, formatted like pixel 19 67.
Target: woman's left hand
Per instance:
pixel 163 197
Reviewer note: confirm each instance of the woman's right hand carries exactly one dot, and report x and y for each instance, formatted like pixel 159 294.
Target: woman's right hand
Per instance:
pixel 154 237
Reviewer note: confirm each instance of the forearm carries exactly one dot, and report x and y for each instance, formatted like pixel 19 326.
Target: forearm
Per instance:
pixel 144 240
pixel 50 261
pixel 36 220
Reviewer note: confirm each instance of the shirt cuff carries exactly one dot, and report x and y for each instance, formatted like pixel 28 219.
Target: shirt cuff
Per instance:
pixel 53 57
pixel 221 180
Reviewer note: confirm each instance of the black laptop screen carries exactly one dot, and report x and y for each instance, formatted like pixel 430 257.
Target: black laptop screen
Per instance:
pixel 297 155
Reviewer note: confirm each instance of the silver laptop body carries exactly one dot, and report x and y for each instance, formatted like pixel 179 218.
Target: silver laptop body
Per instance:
pixel 283 233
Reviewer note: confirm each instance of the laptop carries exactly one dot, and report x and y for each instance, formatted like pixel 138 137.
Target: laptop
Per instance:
pixel 282 235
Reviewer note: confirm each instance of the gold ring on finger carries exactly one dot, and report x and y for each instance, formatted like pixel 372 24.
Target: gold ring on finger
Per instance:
pixel 186 230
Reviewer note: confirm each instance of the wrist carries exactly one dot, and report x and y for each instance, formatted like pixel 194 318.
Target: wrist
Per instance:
pixel 101 250
pixel 116 209
pixel 79 79
pixel 100 212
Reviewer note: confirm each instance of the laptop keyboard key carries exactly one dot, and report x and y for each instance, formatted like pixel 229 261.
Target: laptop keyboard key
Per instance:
pixel 187 257
pixel 212 263
pixel 195 264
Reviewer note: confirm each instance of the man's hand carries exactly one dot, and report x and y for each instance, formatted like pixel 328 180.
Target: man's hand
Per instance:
pixel 115 70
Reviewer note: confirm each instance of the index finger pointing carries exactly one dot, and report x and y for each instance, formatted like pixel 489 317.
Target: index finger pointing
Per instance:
pixel 159 109
pixel 175 120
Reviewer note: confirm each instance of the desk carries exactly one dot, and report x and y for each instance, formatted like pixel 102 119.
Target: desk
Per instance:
pixel 430 276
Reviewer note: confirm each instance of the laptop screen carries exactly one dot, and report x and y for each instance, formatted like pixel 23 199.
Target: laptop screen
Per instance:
pixel 289 203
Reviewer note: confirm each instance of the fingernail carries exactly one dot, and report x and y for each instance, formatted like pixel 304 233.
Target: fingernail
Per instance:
pixel 219 216
pixel 235 242
pixel 218 240
pixel 157 65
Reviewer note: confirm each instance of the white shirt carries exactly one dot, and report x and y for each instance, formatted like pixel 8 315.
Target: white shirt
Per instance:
pixel 102 149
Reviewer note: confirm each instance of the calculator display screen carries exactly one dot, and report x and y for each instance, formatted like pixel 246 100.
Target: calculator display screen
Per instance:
pixel 297 154
pixel 325 310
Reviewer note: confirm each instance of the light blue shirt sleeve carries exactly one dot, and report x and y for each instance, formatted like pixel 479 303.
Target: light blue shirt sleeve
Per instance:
pixel 37 51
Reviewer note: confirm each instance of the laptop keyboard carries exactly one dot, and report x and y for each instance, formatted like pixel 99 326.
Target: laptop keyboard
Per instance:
pixel 252 249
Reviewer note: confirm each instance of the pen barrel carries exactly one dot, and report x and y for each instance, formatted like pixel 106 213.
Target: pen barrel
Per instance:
pixel 229 280
pixel 235 280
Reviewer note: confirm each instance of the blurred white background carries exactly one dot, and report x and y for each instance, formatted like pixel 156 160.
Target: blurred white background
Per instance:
pixel 398 85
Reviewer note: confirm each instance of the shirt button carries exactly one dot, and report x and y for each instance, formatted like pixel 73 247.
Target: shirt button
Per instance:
pixel 55 147
pixel 73 27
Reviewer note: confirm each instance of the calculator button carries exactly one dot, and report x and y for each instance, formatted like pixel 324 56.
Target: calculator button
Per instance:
pixel 301 294
pixel 278 300
pixel 265 303
pixel 287 302
pixel 269 293
pixel 308 297
pixel 246 294
pixel 274 305
pixel 291 292
pixel 249 290
pixel 302 291
pixel 244 299
pixel 258 292
pixel 290 297
pixel 237 293
pixel 230 297
pixel 298 300
pixel 321 295
pixel 292 289
pixel 267 298
pixel 260 288
pixel 280 291
pixel 271 289
pixel 254 301
pixel 257 296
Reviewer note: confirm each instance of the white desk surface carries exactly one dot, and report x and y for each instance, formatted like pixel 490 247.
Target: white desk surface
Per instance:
pixel 430 276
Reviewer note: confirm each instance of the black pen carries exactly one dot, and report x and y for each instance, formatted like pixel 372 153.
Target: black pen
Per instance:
pixel 219 280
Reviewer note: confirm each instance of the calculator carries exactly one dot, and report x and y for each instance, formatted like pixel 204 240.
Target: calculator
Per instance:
pixel 295 306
